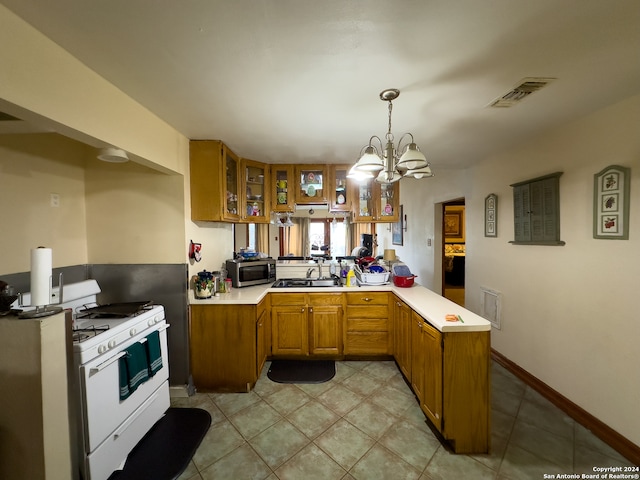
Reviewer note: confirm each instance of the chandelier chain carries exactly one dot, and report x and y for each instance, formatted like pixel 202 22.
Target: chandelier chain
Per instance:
pixel 389 135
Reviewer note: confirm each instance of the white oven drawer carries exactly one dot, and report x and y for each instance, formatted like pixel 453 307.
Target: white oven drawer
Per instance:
pixel 103 410
pixel 101 463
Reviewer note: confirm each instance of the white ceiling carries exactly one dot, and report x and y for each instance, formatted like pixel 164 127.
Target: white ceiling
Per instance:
pixel 297 81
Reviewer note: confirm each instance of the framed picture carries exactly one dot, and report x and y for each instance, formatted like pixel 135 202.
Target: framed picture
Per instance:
pixel 397 229
pixel 491 216
pixel 611 203
pixel 454 224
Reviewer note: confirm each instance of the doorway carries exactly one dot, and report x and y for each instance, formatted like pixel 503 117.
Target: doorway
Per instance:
pixel 453 250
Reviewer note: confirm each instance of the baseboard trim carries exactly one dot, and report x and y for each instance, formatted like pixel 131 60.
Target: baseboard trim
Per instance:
pixel 621 444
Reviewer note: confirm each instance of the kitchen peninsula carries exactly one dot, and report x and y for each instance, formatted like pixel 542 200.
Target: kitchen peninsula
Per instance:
pixel 446 363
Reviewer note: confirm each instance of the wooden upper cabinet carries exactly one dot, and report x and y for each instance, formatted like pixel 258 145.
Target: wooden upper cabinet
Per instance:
pixel 340 191
pixel 255 192
pixel 282 188
pixel 311 184
pixel 376 202
pixel 215 181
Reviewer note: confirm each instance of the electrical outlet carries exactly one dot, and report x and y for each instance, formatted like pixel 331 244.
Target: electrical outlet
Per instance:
pixel 55 200
pixel 428 241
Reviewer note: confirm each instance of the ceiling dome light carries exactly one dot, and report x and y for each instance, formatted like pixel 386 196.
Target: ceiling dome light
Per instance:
pixel 113 155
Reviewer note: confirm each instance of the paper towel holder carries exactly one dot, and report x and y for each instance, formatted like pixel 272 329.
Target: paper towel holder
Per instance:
pixel 44 310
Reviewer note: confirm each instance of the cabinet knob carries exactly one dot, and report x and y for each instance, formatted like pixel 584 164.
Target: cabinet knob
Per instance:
pixel 302 309
pixel 310 309
pixel 367 299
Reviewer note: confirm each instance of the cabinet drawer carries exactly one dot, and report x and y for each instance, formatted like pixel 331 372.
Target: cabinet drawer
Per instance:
pixel 364 311
pixel 367 325
pixel 325 299
pixel 368 298
pixel 367 343
pixel 288 299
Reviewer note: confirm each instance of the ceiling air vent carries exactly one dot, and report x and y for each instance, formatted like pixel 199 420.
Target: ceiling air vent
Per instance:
pixel 527 87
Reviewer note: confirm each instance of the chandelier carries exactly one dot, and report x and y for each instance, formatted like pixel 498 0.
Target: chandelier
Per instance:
pixel 390 163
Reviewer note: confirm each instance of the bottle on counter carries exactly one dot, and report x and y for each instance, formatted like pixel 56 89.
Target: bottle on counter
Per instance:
pixel 351 277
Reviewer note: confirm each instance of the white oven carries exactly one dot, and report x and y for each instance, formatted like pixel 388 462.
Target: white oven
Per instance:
pixel 108 427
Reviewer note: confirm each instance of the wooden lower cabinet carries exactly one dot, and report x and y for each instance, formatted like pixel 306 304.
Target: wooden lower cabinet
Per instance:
pixel 466 391
pixel 223 347
pixel 418 358
pixel 431 354
pixel 306 324
pixel 368 325
pixel 402 326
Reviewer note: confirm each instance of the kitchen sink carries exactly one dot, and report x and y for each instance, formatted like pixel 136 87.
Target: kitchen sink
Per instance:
pixel 307 282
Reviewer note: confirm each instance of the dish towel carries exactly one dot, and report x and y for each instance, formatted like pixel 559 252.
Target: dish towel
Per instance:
pixel 134 369
pixel 154 354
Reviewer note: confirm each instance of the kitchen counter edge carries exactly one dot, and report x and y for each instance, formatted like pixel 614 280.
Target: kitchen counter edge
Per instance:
pixel 428 304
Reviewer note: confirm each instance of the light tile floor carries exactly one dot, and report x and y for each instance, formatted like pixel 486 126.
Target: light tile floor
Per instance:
pixel 365 424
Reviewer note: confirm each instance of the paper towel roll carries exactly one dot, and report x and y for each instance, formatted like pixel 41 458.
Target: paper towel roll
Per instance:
pixel 41 276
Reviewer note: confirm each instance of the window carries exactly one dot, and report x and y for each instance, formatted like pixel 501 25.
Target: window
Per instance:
pixel 536 211
pixel 327 237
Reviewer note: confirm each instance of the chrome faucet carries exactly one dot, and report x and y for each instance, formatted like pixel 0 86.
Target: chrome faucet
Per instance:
pixel 309 272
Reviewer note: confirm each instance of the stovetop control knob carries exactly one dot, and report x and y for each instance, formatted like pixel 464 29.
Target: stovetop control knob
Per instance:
pixel 132 332
pixel 112 343
pixel 151 322
pixel 157 319
pixel 102 348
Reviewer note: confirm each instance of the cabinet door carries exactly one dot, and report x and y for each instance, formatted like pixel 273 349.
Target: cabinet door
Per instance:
pixel 282 188
pixel 340 191
pixel 222 340
pixel 387 208
pixel 289 331
pixel 261 349
pixel 417 355
pixel 255 206
pixel 205 166
pixel 310 182
pixel 432 388
pixel 363 208
pixel 231 185
pixel 402 317
pixel 376 202
pixel 325 323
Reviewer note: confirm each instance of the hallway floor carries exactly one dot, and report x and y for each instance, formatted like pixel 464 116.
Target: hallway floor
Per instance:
pixel 365 424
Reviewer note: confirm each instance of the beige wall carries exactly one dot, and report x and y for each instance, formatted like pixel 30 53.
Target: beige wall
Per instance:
pixel 569 314
pixel 43 84
pixel 32 167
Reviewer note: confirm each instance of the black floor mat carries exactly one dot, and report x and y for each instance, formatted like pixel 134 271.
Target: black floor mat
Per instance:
pixel 302 371
pixel 166 450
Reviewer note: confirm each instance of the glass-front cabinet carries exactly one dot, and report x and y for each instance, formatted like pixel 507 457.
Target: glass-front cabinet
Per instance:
pixel 231 184
pixel 376 202
pixel 255 192
pixel 282 188
pixel 311 184
pixel 215 181
pixel 340 193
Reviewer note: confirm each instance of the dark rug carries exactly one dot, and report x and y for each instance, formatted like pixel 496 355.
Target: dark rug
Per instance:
pixel 166 450
pixel 302 371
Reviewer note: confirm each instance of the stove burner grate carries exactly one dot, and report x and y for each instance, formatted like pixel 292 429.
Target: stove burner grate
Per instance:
pixel 80 334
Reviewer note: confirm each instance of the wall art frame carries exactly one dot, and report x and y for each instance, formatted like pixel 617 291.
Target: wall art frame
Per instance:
pixel 491 215
pixel 611 203
pixel 397 229
pixel 454 224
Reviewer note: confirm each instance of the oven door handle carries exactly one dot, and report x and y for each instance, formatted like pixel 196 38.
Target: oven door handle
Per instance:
pixel 104 365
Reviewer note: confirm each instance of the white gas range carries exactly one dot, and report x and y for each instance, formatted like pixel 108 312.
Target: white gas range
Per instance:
pixel 104 337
